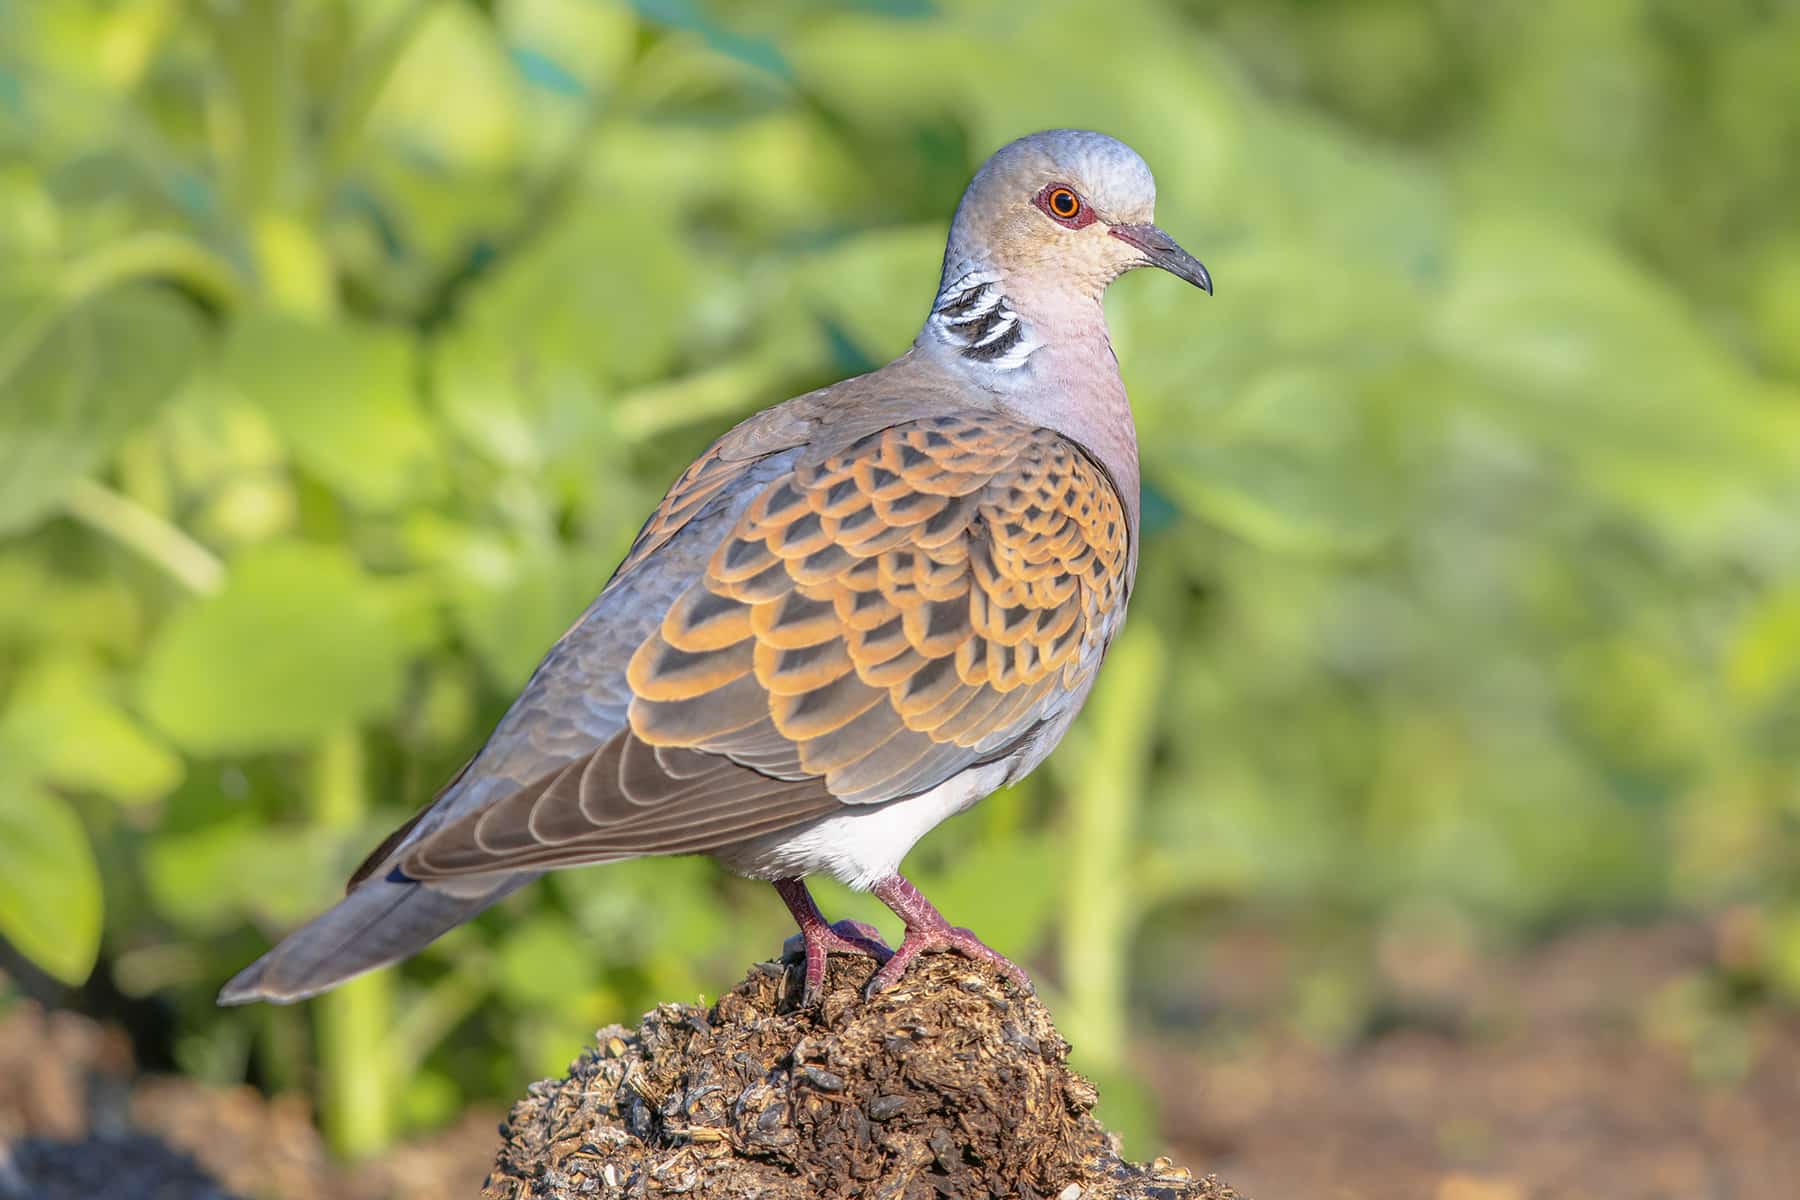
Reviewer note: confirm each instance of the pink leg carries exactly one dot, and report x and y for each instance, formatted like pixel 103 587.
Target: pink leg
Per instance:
pixel 820 938
pixel 927 931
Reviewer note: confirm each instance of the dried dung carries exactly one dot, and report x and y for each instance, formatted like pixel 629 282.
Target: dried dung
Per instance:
pixel 953 1084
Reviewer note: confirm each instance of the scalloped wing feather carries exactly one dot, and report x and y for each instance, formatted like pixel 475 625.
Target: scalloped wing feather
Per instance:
pixel 876 620
pixel 891 612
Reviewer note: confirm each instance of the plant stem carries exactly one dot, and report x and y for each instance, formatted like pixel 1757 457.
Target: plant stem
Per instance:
pixel 254 48
pixel 1099 908
pixel 364 78
pixel 716 392
pixel 352 1021
pixel 154 255
pixel 436 1012
pixel 136 527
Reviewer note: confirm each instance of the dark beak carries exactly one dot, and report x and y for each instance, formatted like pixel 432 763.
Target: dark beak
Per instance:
pixel 1161 250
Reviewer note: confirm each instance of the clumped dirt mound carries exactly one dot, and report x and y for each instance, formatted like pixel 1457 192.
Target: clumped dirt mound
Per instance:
pixel 953 1084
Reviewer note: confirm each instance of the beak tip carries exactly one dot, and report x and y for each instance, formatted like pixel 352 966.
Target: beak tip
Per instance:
pixel 1191 271
pixel 1161 250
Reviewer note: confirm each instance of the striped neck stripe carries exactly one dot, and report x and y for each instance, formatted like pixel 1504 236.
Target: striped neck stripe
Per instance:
pixel 972 315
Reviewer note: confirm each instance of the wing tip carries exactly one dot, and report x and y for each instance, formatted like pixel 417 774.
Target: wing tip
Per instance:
pixel 250 986
pixel 246 987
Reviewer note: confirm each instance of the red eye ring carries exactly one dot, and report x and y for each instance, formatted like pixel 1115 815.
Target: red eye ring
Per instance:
pixel 1062 204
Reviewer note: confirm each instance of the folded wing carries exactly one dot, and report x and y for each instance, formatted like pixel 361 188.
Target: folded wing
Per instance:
pixel 878 619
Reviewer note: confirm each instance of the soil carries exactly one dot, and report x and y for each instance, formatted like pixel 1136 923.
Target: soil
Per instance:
pixel 952 1084
pixel 1615 1063
pixel 1624 1063
pixel 135 1165
pixel 77 1121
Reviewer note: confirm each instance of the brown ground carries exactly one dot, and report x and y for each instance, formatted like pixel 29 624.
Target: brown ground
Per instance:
pixel 1612 1064
pixel 953 1084
pixel 76 1122
pixel 1608 1065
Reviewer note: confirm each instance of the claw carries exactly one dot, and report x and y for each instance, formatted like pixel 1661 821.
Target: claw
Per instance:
pixel 937 940
pixel 816 939
pixel 928 932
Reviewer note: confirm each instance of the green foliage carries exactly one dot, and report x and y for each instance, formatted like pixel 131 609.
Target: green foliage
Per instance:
pixel 341 396
pixel 49 883
pixel 298 643
pixel 79 373
pixel 344 345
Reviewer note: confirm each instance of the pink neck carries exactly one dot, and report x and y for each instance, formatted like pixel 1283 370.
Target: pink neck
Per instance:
pixel 1068 379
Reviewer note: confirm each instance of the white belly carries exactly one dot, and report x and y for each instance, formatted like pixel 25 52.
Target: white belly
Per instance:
pixel 862 843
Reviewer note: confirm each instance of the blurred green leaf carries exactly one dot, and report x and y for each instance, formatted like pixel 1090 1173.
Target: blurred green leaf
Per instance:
pixel 209 879
pixel 82 740
pixel 568 325
pixel 874 289
pixel 50 895
pixel 196 879
pixel 432 1100
pixel 966 892
pixel 1291 468
pixel 688 15
pixel 474 125
pixel 75 379
pixel 343 397
pixel 514 607
pixel 500 406
pixel 1585 351
pixel 299 643
pixel 42 607
pixel 649 907
pixel 541 962
pixel 1765 656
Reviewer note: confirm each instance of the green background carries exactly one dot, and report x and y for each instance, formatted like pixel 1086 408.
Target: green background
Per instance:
pixel 344 346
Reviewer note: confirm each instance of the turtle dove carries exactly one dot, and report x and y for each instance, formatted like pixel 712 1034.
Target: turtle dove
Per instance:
pixel 855 615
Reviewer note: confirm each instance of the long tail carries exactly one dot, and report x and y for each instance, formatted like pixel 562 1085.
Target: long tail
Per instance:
pixel 380 922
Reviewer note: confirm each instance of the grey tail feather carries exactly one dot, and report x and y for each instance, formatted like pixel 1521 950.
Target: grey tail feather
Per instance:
pixel 382 921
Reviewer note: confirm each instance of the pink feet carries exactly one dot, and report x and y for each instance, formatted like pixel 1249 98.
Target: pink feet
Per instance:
pixel 927 932
pixel 818 938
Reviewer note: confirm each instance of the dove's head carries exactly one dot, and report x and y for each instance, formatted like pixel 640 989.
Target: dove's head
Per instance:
pixel 1065 210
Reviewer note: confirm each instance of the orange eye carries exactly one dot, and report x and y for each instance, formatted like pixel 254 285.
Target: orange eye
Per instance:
pixel 1062 204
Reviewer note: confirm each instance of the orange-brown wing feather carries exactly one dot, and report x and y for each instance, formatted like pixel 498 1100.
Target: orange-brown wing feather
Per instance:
pixel 894 612
pixel 877 620
pixel 704 479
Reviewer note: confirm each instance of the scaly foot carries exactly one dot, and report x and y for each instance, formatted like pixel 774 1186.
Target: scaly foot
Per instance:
pixel 817 939
pixel 927 932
